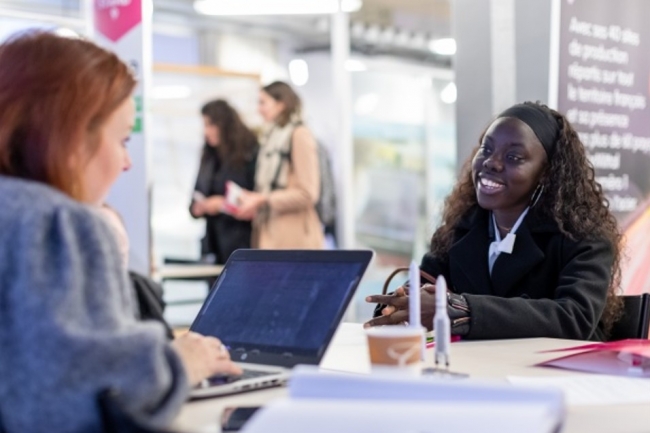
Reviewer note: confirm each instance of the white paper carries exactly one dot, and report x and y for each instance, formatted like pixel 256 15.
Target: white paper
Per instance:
pixel 340 416
pixel 308 383
pixel 233 194
pixel 588 390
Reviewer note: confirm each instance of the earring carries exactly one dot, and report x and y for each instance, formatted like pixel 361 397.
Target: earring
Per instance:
pixel 536 195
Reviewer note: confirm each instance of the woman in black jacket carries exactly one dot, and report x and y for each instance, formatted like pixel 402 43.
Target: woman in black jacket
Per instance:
pixel 528 245
pixel 229 155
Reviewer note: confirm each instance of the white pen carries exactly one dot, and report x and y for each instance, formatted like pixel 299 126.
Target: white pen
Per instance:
pixel 441 323
pixel 414 301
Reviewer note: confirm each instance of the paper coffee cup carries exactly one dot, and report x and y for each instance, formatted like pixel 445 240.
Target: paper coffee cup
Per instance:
pixel 395 349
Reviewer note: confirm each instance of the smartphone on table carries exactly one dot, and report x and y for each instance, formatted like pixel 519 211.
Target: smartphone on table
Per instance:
pixel 234 418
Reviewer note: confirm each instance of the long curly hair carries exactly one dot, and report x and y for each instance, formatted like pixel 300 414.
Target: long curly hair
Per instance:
pixel 571 196
pixel 238 143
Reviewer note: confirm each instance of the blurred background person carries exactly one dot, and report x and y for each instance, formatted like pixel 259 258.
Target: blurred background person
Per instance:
pixel 227 162
pixel 148 293
pixel 67 318
pixel 287 182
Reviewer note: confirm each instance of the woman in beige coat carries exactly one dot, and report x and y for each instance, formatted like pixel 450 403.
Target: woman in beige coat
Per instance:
pixel 287 178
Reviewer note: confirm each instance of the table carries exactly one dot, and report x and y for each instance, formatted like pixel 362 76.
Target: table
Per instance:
pixel 494 359
pixel 170 272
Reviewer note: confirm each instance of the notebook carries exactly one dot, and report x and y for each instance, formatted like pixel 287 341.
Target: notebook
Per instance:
pixel 348 403
pixel 275 309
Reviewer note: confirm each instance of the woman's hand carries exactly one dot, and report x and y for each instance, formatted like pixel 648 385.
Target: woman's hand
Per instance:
pixel 389 309
pixel 197 210
pixel 203 357
pixel 427 305
pixel 213 204
pixel 397 307
pixel 249 203
pixel 209 206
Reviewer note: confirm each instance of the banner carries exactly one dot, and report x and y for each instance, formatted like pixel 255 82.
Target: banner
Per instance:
pixel 124 27
pixel 602 85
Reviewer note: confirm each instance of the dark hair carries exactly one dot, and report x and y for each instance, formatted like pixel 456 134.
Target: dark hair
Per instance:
pixel 282 92
pixel 571 196
pixel 238 143
pixel 55 94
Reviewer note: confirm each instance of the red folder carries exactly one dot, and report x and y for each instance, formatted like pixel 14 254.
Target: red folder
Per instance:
pixel 624 358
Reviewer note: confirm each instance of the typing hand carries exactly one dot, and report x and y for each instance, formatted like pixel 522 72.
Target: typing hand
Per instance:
pixel 203 357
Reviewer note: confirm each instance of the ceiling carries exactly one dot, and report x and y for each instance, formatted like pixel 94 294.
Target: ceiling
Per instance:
pixel 373 27
pixel 409 13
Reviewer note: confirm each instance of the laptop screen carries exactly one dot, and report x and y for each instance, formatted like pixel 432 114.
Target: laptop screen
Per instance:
pixel 281 302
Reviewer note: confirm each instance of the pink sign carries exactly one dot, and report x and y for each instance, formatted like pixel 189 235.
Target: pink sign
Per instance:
pixel 114 18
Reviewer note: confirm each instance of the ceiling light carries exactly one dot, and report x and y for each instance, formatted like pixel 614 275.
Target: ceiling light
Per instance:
pixel 418 41
pixel 444 47
pixel 358 29
pixel 372 33
pixel 449 93
pixel 274 7
pixel 387 36
pixel 171 92
pixel 402 38
pixel 355 65
pixel 322 24
pixel 299 72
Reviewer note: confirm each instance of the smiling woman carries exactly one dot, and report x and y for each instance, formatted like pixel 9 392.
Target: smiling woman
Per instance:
pixel 527 245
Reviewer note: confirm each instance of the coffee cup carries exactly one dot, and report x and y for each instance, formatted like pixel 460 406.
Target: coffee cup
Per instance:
pixel 395 349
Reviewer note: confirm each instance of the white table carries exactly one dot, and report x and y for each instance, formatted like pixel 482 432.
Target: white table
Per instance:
pixel 168 272
pixel 481 359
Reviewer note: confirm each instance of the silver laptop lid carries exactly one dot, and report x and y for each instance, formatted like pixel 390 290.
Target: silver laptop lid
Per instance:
pixel 281 307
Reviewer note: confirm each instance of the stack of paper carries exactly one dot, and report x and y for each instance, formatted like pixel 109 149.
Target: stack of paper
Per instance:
pixel 333 402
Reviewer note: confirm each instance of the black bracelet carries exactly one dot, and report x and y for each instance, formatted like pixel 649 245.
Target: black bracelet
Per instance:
pixel 459 314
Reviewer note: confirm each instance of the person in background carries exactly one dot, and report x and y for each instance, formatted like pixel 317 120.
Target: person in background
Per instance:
pixel 115 221
pixel 287 183
pixel 67 317
pixel 148 293
pixel 528 245
pixel 229 155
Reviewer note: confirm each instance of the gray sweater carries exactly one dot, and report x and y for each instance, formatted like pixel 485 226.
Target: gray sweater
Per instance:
pixel 67 322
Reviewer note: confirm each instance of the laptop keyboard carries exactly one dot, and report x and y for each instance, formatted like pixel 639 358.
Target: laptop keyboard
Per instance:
pixel 223 378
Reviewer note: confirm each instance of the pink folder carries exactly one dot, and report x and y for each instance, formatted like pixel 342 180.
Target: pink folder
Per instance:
pixel 624 358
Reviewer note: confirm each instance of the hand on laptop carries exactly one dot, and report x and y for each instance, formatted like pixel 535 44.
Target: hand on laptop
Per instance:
pixel 203 357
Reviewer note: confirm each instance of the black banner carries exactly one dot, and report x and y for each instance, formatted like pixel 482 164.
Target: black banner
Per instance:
pixel 603 88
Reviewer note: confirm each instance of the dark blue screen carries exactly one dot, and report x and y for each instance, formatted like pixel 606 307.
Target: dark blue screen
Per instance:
pixel 278 306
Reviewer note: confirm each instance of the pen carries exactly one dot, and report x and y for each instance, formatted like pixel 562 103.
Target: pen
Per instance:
pixel 414 302
pixel 441 323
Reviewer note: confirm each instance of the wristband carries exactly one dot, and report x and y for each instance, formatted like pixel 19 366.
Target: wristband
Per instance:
pixel 459 314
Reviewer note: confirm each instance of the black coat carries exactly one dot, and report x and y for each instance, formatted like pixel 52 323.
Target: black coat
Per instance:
pixel 550 286
pixel 223 233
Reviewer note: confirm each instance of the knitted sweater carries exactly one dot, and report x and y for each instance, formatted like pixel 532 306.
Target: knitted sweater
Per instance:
pixel 67 322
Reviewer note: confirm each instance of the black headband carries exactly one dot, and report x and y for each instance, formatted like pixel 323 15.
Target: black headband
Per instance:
pixel 540 121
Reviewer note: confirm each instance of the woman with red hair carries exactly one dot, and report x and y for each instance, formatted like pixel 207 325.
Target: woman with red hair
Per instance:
pixel 68 330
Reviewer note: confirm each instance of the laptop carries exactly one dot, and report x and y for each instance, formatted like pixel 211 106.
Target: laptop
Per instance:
pixel 275 309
